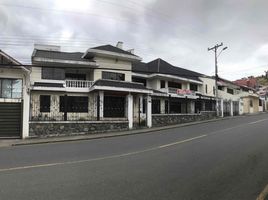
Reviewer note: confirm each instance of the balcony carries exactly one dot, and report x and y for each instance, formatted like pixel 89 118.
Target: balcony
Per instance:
pixel 78 84
pixel 181 92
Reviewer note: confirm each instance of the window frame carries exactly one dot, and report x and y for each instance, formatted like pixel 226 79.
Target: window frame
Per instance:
pixel 12 80
pixel 109 76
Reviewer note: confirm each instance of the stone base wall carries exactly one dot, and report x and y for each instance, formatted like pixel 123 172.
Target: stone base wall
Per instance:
pixel 169 119
pixel 52 128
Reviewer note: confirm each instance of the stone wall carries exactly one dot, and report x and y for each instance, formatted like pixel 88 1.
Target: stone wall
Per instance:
pixel 169 119
pixel 57 128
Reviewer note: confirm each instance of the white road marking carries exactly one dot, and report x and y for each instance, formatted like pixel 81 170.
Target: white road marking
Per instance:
pixel 101 158
pixel 262 120
pixel 263 194
pixel 183 141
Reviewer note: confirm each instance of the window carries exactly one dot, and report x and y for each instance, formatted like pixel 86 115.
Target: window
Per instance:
pixel 163 84
pixel 74 104
pixel 16 88
pixel 114 106
pixel 113 76
pixel 193 87
pixel 220 87
pixel 139 80
pixel 174 85
pixel 230 91
pixel 250 103
pixel 53 73
pixel 44 103
pixel 260 102
pixel 10 88
pixel 7 88
pixel 70 76
pixel 206 88
pixel 155 106
pixel 214 90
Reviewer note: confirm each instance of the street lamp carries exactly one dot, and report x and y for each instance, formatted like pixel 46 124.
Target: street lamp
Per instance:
pixel 215 48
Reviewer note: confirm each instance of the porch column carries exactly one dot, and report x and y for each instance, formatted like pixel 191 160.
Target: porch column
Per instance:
pixel 101 102
pixel 149 111
pixel 192 106
pixel 221 102
pixel 231 108
pixel 26 108
pixel 130 111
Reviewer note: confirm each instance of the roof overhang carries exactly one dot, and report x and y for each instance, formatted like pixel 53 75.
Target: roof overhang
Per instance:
pixel 66 63
pixel 156 75
pixel 16 64
pixel 109 54
pixel 120 89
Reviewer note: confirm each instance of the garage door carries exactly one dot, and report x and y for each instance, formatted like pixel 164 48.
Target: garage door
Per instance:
pixel 10 119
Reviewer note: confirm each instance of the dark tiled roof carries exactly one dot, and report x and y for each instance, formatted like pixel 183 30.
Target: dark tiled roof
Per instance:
pixel 122 84
pixel 163 67
pixel 75 56
pixel 113 49
pixel 48 84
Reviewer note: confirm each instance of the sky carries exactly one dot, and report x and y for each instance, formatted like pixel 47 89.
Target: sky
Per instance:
pixel 177 31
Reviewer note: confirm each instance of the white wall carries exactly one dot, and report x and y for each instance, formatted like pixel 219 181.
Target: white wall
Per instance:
pixel 123 67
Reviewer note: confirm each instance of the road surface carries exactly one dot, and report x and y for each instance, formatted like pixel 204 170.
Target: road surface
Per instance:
pixel 226 159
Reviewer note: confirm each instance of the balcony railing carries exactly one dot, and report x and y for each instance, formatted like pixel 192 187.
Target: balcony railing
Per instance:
pixel 78 83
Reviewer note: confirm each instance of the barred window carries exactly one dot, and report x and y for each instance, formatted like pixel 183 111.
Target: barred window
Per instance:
pixel 74 104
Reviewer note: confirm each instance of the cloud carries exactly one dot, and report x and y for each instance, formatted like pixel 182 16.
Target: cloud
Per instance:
pixel 178 31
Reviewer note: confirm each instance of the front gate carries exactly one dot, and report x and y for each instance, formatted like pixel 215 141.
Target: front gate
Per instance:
pixel 10 119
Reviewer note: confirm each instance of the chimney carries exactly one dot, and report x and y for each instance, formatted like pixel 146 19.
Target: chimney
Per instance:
pixel 119 45
pixel 131 51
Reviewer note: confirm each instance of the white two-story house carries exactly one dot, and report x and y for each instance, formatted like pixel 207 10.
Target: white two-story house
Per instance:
pixel 93 87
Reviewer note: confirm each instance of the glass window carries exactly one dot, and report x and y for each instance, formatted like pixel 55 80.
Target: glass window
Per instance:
pixel 16 88
pixel 230 91
pixel 174 85
pixel 206 89
pixel 44 103
pixel 163 84
pixel 250 103
pixel 113 76
pixel 6 88
pixel 139 80
pixel 53 73
pixel 193 87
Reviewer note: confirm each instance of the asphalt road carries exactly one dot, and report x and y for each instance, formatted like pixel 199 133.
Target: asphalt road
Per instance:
pixel 226 159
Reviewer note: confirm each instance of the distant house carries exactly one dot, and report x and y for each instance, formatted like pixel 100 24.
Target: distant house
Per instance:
pixel 14 98
pixel 250 82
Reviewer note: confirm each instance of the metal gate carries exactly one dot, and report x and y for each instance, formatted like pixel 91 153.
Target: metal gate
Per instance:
pixel 236 108
pixel 10 119
pixel 114 106
pixel 226 108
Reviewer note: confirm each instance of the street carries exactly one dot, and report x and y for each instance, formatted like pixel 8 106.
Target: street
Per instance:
pixel 225 159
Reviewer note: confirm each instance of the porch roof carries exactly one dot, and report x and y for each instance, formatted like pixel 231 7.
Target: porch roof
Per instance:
pixel 113 85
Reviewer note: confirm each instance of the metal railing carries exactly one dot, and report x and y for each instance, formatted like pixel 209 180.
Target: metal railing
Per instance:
pixel 78 83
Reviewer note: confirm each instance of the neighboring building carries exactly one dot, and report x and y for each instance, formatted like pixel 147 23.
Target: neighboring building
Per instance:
pixel 14 98
pixel 250 82
pixel 175 90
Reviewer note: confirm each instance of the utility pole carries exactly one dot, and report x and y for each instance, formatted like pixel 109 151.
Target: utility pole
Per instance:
pixel 215 48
